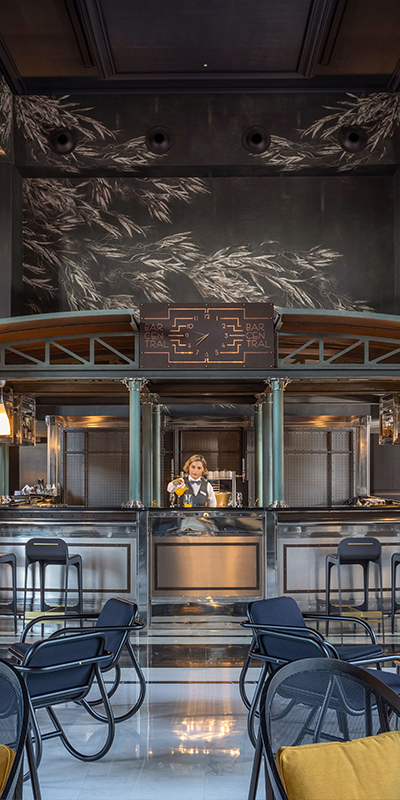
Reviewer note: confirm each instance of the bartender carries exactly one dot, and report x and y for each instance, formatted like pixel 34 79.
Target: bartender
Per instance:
pixel 195 481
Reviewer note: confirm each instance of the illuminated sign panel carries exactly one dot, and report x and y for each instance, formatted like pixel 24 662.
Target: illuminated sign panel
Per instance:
pixel 206 335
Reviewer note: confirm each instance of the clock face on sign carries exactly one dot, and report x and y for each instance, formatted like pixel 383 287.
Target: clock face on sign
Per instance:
pixel 211 336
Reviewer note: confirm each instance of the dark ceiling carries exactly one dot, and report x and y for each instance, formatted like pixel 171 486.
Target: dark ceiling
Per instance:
pixel 101 46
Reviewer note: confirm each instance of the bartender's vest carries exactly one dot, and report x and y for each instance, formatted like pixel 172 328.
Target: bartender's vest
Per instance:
pixel 199 499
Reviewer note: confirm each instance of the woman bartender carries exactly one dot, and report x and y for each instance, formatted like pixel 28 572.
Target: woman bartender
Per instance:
pixel 195 481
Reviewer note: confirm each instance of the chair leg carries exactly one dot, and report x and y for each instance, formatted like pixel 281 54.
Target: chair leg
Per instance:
pixel 139 701
pixel 109 719
pixel 32 769
pixel 255 772
pixel 14 592
pixel 242 678
pixel 254 704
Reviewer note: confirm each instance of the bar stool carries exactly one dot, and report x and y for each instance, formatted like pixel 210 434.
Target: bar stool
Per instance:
pixel 362 551
pixel 394 604
pixel 9 558
pixel 48 552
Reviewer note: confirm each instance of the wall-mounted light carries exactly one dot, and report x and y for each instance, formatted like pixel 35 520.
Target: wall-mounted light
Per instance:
pixel 5 425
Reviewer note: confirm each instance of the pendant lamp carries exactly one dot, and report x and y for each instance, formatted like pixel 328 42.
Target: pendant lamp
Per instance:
pixel 5 427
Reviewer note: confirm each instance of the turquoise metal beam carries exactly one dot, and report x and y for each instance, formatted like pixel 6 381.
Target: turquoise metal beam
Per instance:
pixel 267 449
pixel 258 456
pixel 134 386
pixel 4 479
pixel 157 455
pixel 147 448
pixel 277 386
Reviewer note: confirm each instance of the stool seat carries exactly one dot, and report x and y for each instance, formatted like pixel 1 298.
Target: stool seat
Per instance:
pixel 46 552
pixel 10 559
pixel 354 550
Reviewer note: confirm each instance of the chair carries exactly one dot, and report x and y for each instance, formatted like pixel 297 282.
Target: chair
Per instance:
pixel 280 635
pixel 10 559
pixel 353 550
pixel 116 620
pixel 322 700
pixel 47 552
pixel 63 670
pixel 395 561
pixel 15 724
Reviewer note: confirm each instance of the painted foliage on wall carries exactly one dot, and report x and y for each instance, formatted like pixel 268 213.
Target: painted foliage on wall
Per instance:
pixel 105 242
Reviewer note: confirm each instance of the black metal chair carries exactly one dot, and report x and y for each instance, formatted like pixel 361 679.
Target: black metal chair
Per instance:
pixel 362 551
pixel 320 700
pixel 15 725
pixel 46 552
pixel 117 620
pixel 280 635
pixel 10 559
pixel 63 670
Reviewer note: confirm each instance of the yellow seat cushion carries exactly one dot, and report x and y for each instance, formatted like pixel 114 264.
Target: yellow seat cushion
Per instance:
pixel 361 769
pixel 7 756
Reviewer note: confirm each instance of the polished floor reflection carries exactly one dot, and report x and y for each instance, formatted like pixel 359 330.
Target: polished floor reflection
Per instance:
pixel 188 741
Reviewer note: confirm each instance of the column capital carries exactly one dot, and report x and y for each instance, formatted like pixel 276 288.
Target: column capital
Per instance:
pixel 134 384
pixel 277 384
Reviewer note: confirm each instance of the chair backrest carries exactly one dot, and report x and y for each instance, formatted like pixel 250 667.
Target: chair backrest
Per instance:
pixel 44 549
pixel 356 550
pixel 322 700
pixel 116 612
pixel 70 664
pixel 14 718
pixel 283 645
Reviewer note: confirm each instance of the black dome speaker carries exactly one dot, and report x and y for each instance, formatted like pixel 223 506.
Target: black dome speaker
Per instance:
pixel 62 141
pixel 256 140
pixel 159 140
pixel 353 138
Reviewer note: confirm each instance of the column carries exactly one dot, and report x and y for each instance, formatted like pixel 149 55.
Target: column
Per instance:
pixel 278 386
pixel 363 431
pixel 157 454
pixel 258 455
pixel 54 425
pixel 267 449
pixel 147 448
pixel 4 480
pixel 134 386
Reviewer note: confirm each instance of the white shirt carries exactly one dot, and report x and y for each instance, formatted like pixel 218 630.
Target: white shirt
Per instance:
pixel 211 499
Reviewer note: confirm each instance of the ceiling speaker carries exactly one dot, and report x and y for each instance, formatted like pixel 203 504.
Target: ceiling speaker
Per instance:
pixel 256 140
pixel 62 141
pixel 159 140
pixel 353 138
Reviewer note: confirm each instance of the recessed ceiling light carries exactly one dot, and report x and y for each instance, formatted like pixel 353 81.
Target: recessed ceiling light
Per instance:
pixel 205 65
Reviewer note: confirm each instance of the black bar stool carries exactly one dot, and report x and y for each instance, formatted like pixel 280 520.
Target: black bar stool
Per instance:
pixel 362 551
pixel 47 552
pixel 9 558
pixel 394 604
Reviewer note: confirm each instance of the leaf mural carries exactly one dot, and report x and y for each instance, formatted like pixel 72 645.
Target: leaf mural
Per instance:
pixel 77 236
pixel 378 114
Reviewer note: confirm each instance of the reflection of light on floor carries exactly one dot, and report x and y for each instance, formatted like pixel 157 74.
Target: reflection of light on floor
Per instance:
pixel 194 751
pixel 200 728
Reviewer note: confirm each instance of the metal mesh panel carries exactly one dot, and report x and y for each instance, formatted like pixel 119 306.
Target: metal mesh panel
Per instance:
pixel 341 440
pixel 341 477
pixel 74 441
pixel 108 481
pixel 103 441
pixel 74 479
pixel 305 439
pixel 200 440
pixel 306 479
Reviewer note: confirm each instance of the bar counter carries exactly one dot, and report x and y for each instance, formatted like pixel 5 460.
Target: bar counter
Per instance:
pixel 196 564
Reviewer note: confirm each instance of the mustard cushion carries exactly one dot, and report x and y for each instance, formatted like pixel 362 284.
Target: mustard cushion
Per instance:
pixel 362 769
pixel 7 756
